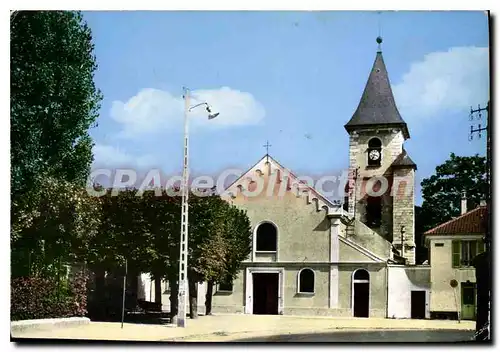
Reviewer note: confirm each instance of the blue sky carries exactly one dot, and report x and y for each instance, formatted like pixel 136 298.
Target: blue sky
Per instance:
pixel 293 78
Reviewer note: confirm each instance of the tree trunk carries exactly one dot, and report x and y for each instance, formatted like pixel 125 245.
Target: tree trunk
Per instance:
pixel 158 291
pixel 193 298
pixel 174 300
pixel 208 298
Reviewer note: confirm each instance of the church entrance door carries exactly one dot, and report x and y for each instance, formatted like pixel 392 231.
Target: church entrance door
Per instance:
pixel 265 293
pixel 361 293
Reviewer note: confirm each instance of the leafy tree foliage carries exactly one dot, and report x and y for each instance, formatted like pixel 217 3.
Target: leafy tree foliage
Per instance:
pixel 145 230
pixel 59 230
pixel 221 240
pixel 442 192
pixel 54 102
pixel 421 252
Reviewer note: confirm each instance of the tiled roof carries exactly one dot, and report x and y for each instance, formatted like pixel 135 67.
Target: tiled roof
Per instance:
pixel 377 106
pixel 471 222
pixel 403 159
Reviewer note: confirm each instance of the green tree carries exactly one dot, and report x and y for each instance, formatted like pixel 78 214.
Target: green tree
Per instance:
pixel 163 216
pixel 221 239
pixel 145 230
pixel 442 192
pixel 207 244
pixel 54 102
pixel 59 230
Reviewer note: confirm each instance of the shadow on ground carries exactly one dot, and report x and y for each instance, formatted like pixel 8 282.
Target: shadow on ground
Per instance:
pixel 377 336
pixel 154 318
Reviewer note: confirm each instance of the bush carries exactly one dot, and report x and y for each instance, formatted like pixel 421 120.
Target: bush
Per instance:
pixel 43 298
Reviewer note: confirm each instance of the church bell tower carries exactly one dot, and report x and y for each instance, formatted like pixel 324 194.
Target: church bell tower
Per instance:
pixel 382 196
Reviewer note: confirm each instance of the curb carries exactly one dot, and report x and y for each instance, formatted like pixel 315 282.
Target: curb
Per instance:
pixel 43 324
pixel 226 335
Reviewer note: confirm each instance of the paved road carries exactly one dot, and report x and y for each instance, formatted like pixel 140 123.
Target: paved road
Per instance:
pixel 386 336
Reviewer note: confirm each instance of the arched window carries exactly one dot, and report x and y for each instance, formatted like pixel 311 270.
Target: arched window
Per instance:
pixel 361 274
pixel 306 281
pixel 374 152
pixel 266 238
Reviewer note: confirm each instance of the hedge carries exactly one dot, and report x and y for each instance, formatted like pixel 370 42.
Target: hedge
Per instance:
pixel 43 298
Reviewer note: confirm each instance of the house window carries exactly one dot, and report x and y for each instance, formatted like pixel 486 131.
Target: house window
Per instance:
pixel 266 238
pixel 226 285
pixel 374 152
pixel 373 212
pixel 464 252
pixel 306 281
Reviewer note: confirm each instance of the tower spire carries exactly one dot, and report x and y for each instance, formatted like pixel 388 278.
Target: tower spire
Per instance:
pixel 377 106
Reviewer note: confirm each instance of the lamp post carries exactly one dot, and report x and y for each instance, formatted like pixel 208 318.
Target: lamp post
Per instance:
pixel 183 257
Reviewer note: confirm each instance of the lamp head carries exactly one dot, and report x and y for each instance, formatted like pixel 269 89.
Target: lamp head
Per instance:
pixel 211 115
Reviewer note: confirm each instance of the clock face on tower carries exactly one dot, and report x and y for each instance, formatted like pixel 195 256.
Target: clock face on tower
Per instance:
pixel 374 155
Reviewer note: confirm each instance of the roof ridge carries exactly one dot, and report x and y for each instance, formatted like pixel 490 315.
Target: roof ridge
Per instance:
pixel 428 232
pixel 304 183
pixel 323 198
pixel 244 173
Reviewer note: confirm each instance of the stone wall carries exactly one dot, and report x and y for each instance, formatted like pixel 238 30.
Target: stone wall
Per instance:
pixel 404 212
pixel 396 211
pixel 392 146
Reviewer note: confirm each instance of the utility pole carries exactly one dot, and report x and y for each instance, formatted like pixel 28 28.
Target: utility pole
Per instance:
pixel 482 262
pixel 181 322
pixel 183 255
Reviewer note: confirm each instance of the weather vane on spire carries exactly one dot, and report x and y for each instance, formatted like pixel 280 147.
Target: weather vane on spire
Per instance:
pixel 379 41
pixel 379 38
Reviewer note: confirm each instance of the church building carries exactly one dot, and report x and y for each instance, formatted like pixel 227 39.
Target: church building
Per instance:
pixel 312 256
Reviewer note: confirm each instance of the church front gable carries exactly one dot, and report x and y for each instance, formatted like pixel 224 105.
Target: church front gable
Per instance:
pixel 269 181
pixel 289 219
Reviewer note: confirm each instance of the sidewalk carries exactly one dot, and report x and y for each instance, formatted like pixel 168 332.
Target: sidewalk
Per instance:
pixel 232 327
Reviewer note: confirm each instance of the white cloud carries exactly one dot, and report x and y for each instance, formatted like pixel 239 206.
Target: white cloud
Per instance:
pixel 444 82
pixel 106 156
pixel 154 110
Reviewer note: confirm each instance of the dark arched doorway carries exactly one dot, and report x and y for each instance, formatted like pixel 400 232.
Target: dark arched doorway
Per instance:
pixel 361 293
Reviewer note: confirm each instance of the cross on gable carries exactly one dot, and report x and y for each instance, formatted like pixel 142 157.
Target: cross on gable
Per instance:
pixel 267 145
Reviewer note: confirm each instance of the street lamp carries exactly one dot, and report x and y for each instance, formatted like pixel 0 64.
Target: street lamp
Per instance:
pixel 183 282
